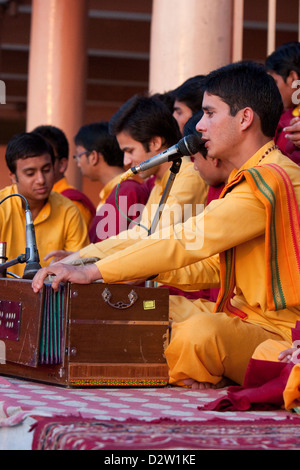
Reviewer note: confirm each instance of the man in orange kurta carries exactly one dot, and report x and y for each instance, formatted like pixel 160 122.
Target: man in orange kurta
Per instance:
pixel 247 240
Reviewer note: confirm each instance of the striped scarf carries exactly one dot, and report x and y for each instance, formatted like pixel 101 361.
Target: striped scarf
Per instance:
pixel 273 187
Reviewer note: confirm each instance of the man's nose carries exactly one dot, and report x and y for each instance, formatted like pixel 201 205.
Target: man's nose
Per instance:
pixel 127 160
pixel 40 177
pixel 200 126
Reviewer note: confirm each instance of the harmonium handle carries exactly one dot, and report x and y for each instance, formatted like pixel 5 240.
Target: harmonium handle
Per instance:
pixel 132 297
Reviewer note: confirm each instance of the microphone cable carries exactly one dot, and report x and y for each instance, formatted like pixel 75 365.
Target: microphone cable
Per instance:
pixel 20 195
pixel 122 213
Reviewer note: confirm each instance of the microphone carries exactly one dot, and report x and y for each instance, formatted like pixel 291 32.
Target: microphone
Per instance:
pixel 31 254
pixel 188 145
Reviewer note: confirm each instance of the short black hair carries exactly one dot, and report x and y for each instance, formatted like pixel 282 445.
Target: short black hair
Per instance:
pixel 96 136
pixel 144 118
pixel 167 98
pixel 284 60
pixel 26 145
pixel 247 83
pixel 57 138
pixel 190 92
pixel 190 128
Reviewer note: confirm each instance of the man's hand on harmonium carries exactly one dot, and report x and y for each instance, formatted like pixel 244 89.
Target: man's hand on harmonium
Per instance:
pixel 60 272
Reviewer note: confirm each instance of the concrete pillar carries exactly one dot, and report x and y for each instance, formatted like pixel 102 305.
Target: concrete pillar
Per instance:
pixel 57 69
pixel 188 37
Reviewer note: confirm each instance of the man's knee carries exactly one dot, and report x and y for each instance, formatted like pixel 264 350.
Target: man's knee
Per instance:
pixel 199 328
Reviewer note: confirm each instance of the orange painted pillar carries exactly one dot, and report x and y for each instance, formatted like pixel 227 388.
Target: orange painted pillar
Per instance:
pixel 57 69
pixel 188 37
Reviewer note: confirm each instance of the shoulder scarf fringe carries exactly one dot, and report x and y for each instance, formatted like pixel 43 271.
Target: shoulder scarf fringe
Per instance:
pixel 273 187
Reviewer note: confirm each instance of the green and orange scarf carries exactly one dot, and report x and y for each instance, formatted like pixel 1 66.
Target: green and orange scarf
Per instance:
pixel 273 187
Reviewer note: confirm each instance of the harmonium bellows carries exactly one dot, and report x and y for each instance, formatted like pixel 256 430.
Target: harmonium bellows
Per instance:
pixel 84 335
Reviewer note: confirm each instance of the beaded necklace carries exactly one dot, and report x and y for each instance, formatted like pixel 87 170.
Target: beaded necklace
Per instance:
pixel 267 152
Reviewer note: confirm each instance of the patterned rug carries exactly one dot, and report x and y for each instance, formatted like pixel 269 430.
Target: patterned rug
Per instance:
pixel 20 398
pixel 71 433
pixel 125 419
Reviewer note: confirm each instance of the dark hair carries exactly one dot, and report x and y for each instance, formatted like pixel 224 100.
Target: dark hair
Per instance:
pixel 144 118
pixel 285 59
pixel 26 145
pixel 190 92
pixel 56 138
pixel 245 84
pixel 190 128
pixel 167 98
pixel 96 136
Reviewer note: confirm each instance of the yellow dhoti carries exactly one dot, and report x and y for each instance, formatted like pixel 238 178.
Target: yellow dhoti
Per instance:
pixel 204 339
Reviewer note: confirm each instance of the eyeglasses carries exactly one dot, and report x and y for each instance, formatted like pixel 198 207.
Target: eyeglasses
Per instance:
pixel 77 157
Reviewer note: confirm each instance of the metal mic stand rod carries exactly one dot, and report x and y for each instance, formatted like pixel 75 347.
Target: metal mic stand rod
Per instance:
pixel 19 259
pixel 173 172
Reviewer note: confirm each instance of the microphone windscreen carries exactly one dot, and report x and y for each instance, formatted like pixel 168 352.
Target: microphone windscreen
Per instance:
pixel 190 144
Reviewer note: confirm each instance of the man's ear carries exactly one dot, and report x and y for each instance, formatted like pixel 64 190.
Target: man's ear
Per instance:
pixel 63 165
pixel 216 162
pixel 293 75
pixel 94 157
pixel 13 177
pixel 155 144
pixel 247 117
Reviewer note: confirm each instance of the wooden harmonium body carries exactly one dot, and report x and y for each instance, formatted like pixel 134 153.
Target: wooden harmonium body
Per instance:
pixel 84 335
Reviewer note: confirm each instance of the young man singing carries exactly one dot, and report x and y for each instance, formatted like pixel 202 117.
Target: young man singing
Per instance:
pixel 254 227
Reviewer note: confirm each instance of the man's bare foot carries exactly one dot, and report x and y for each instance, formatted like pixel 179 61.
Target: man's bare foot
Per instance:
pixel 207 385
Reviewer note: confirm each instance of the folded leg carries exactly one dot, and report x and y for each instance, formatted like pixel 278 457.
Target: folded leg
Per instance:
pixel 206 347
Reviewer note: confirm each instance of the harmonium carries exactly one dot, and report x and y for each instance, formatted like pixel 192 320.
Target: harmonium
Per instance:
pixel 92 335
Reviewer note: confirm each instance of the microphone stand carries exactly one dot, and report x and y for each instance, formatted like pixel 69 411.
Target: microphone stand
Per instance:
pixel 13 262
pixel 174 170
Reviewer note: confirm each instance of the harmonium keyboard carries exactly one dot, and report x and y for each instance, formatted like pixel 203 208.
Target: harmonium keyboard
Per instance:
pixel 84 335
